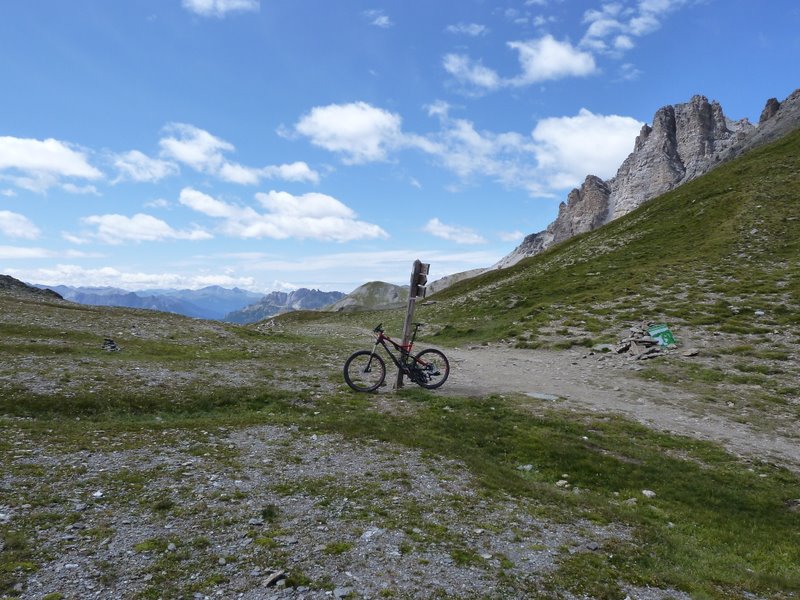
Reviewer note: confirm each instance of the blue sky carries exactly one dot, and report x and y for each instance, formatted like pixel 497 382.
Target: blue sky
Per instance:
pixel 275 144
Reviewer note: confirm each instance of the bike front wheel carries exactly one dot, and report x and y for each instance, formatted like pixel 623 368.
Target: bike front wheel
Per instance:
pixel 364 371
pixel 432 368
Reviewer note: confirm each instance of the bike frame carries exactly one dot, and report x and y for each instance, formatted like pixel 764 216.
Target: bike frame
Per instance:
pixel 405 351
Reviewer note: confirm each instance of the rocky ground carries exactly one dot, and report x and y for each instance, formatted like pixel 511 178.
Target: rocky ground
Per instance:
pixel 267 511
pixel 276 512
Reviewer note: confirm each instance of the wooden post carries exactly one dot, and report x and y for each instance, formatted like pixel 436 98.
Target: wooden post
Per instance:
pixel 419 276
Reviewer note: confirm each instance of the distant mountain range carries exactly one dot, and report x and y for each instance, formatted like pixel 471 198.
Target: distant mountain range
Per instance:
pixel 281 302
pixel 213 302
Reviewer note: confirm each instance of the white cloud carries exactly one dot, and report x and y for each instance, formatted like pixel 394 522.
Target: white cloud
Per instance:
pixel 361 132
pixel 194 147
pixel 8 193
pixel 612 27
pixel 37 165
pixel 17 226
pixel 137 166
pixel 116 229
pixel 310 216
pixel 569 148
pixel 220 8
pixel 71 188
pixel 76 275
pixel 559 154
pixel 378 18
pixel 465 70
pixel 453 233
pixel 471 29
pixel 547 59
pixel 544 59
pixel 204 152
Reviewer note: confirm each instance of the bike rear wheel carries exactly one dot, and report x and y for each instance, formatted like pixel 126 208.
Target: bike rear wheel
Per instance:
pixel 432 368
pixel 364 371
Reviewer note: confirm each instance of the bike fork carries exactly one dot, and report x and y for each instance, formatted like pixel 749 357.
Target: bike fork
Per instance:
pixel 371 354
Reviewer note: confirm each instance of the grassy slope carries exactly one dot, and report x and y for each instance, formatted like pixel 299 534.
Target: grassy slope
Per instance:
pixel 717 527
pixel 731 238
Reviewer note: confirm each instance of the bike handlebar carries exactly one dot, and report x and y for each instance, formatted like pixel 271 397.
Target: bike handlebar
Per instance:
pixel 378 329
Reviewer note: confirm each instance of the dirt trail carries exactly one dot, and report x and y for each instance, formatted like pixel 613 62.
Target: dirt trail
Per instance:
pixel 608 383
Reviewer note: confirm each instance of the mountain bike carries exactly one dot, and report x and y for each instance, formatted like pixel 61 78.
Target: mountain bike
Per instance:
pixel 365 370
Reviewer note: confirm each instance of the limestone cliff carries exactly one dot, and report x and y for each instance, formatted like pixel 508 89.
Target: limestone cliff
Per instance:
pixel 685 141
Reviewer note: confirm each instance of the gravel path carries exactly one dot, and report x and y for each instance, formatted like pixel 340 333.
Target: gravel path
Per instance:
pixel 607 382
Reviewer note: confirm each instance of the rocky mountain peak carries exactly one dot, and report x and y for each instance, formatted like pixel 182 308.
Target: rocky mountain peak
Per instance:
pixel 684 141
pixel 770 109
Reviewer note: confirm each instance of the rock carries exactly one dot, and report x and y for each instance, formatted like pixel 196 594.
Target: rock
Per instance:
pixel 525 468
pixel 341 592
pixel 648 493
pixel 562 483
pixel 690 352
pixel 110 345
pixel 274 578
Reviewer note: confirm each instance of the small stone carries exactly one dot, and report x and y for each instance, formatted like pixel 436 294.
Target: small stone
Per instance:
pixel 171 547
pixel 631 501
pixel 648 493
pixel 341 592
pixel 222 561
pixel 593 546
pixel 97 494
pixel 371 532
pixel 562 483
pixel 690 352
pixel 525 468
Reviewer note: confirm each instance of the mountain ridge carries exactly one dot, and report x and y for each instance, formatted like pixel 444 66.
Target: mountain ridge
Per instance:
pixel 684 142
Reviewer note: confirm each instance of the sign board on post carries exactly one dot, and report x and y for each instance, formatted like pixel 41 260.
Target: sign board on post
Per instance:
pixel 419 279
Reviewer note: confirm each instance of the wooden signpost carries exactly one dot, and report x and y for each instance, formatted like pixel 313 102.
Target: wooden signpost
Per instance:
pixel 419 278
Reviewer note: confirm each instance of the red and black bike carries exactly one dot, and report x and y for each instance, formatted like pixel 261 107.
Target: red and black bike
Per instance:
pixel 365 371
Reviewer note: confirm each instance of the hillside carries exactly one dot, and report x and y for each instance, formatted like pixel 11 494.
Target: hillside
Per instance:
pixel 712 255
pixel 371 296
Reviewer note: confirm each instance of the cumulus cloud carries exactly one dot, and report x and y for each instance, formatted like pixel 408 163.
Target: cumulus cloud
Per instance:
pixel 543 59
pixel 361 132
pixel 569 148
pixel 205 153
pixel 466 70
pixel 137 166
pixel 453 233
pixel 220 8
pixel 17 226
pixel 283 215
pixel 37 165
pixel 612 27
pixel 547 59
pixel 116 229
